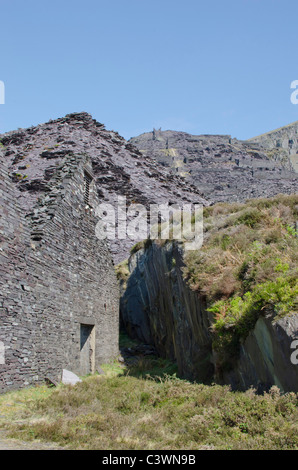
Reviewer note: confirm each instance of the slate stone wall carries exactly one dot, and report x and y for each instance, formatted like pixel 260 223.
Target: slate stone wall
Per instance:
pixel 17 325
pixel 55 276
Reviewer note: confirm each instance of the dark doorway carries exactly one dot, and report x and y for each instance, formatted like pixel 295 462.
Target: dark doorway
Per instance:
pixel 87 349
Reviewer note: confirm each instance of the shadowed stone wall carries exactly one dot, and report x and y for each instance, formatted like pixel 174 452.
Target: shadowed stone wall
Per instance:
pixel 55 276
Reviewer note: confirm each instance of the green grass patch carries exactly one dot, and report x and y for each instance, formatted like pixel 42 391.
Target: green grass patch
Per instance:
pixel 122 272
pixel 123 412
pixel 247 266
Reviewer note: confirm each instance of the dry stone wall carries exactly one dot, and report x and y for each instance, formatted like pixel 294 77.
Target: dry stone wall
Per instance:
pixel 55 276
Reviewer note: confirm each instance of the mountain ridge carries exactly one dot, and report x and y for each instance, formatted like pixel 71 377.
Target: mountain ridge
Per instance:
pixel 225 169
pixel 33 156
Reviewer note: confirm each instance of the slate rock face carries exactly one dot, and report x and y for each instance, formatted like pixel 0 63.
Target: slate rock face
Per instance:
pixel 119 168
pixel 222 168
pixel 266 356
pixel 285 140
pixel 160 308
pixel 157 307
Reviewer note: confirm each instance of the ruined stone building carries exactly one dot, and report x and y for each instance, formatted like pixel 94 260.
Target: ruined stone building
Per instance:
pixel 59 298
pixel 226 169
pixel 59 295
pixel 119 168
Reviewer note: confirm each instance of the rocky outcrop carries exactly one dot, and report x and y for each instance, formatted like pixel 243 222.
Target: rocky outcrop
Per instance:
pixel 158 307
pixel 119 169
pixel 224 169
pixel 266 356
pixel 154 168
pixel 284 139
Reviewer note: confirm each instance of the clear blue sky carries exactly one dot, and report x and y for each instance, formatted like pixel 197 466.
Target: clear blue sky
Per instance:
pixel 216 66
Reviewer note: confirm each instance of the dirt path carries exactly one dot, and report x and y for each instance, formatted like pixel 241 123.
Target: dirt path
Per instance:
pixel 14 444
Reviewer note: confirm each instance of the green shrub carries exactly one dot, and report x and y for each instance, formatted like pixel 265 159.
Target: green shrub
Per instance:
pixel 250 217
pixel 248 263
pixel 236 317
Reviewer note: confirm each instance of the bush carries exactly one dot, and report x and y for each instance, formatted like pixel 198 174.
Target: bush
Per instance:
pixel 248 263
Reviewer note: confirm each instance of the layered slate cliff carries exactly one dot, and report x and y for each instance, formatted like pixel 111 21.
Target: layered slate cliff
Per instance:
pixel 119 169
pixel 153 168
pixel 284 140
pixel 158 308
pixel 222 168
pixel 228 312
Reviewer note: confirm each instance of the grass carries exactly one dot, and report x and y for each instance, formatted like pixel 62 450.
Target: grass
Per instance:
pixel 247 266
pixel 122 273
pixel 152 366
pixel 125 341
pixel 144 244
pixel 126 409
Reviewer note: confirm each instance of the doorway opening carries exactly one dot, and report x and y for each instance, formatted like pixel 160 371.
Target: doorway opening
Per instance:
pixel 87 349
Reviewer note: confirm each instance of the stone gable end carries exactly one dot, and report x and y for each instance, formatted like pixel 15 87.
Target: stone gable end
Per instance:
pixel 59 295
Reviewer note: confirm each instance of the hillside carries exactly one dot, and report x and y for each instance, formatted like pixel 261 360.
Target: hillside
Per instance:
pixel 222 168
pixel 226 312
pixel 156 167
pixel 170 299
pixel 33 156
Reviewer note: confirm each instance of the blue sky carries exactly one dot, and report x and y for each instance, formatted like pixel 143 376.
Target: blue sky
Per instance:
pixel 204 67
